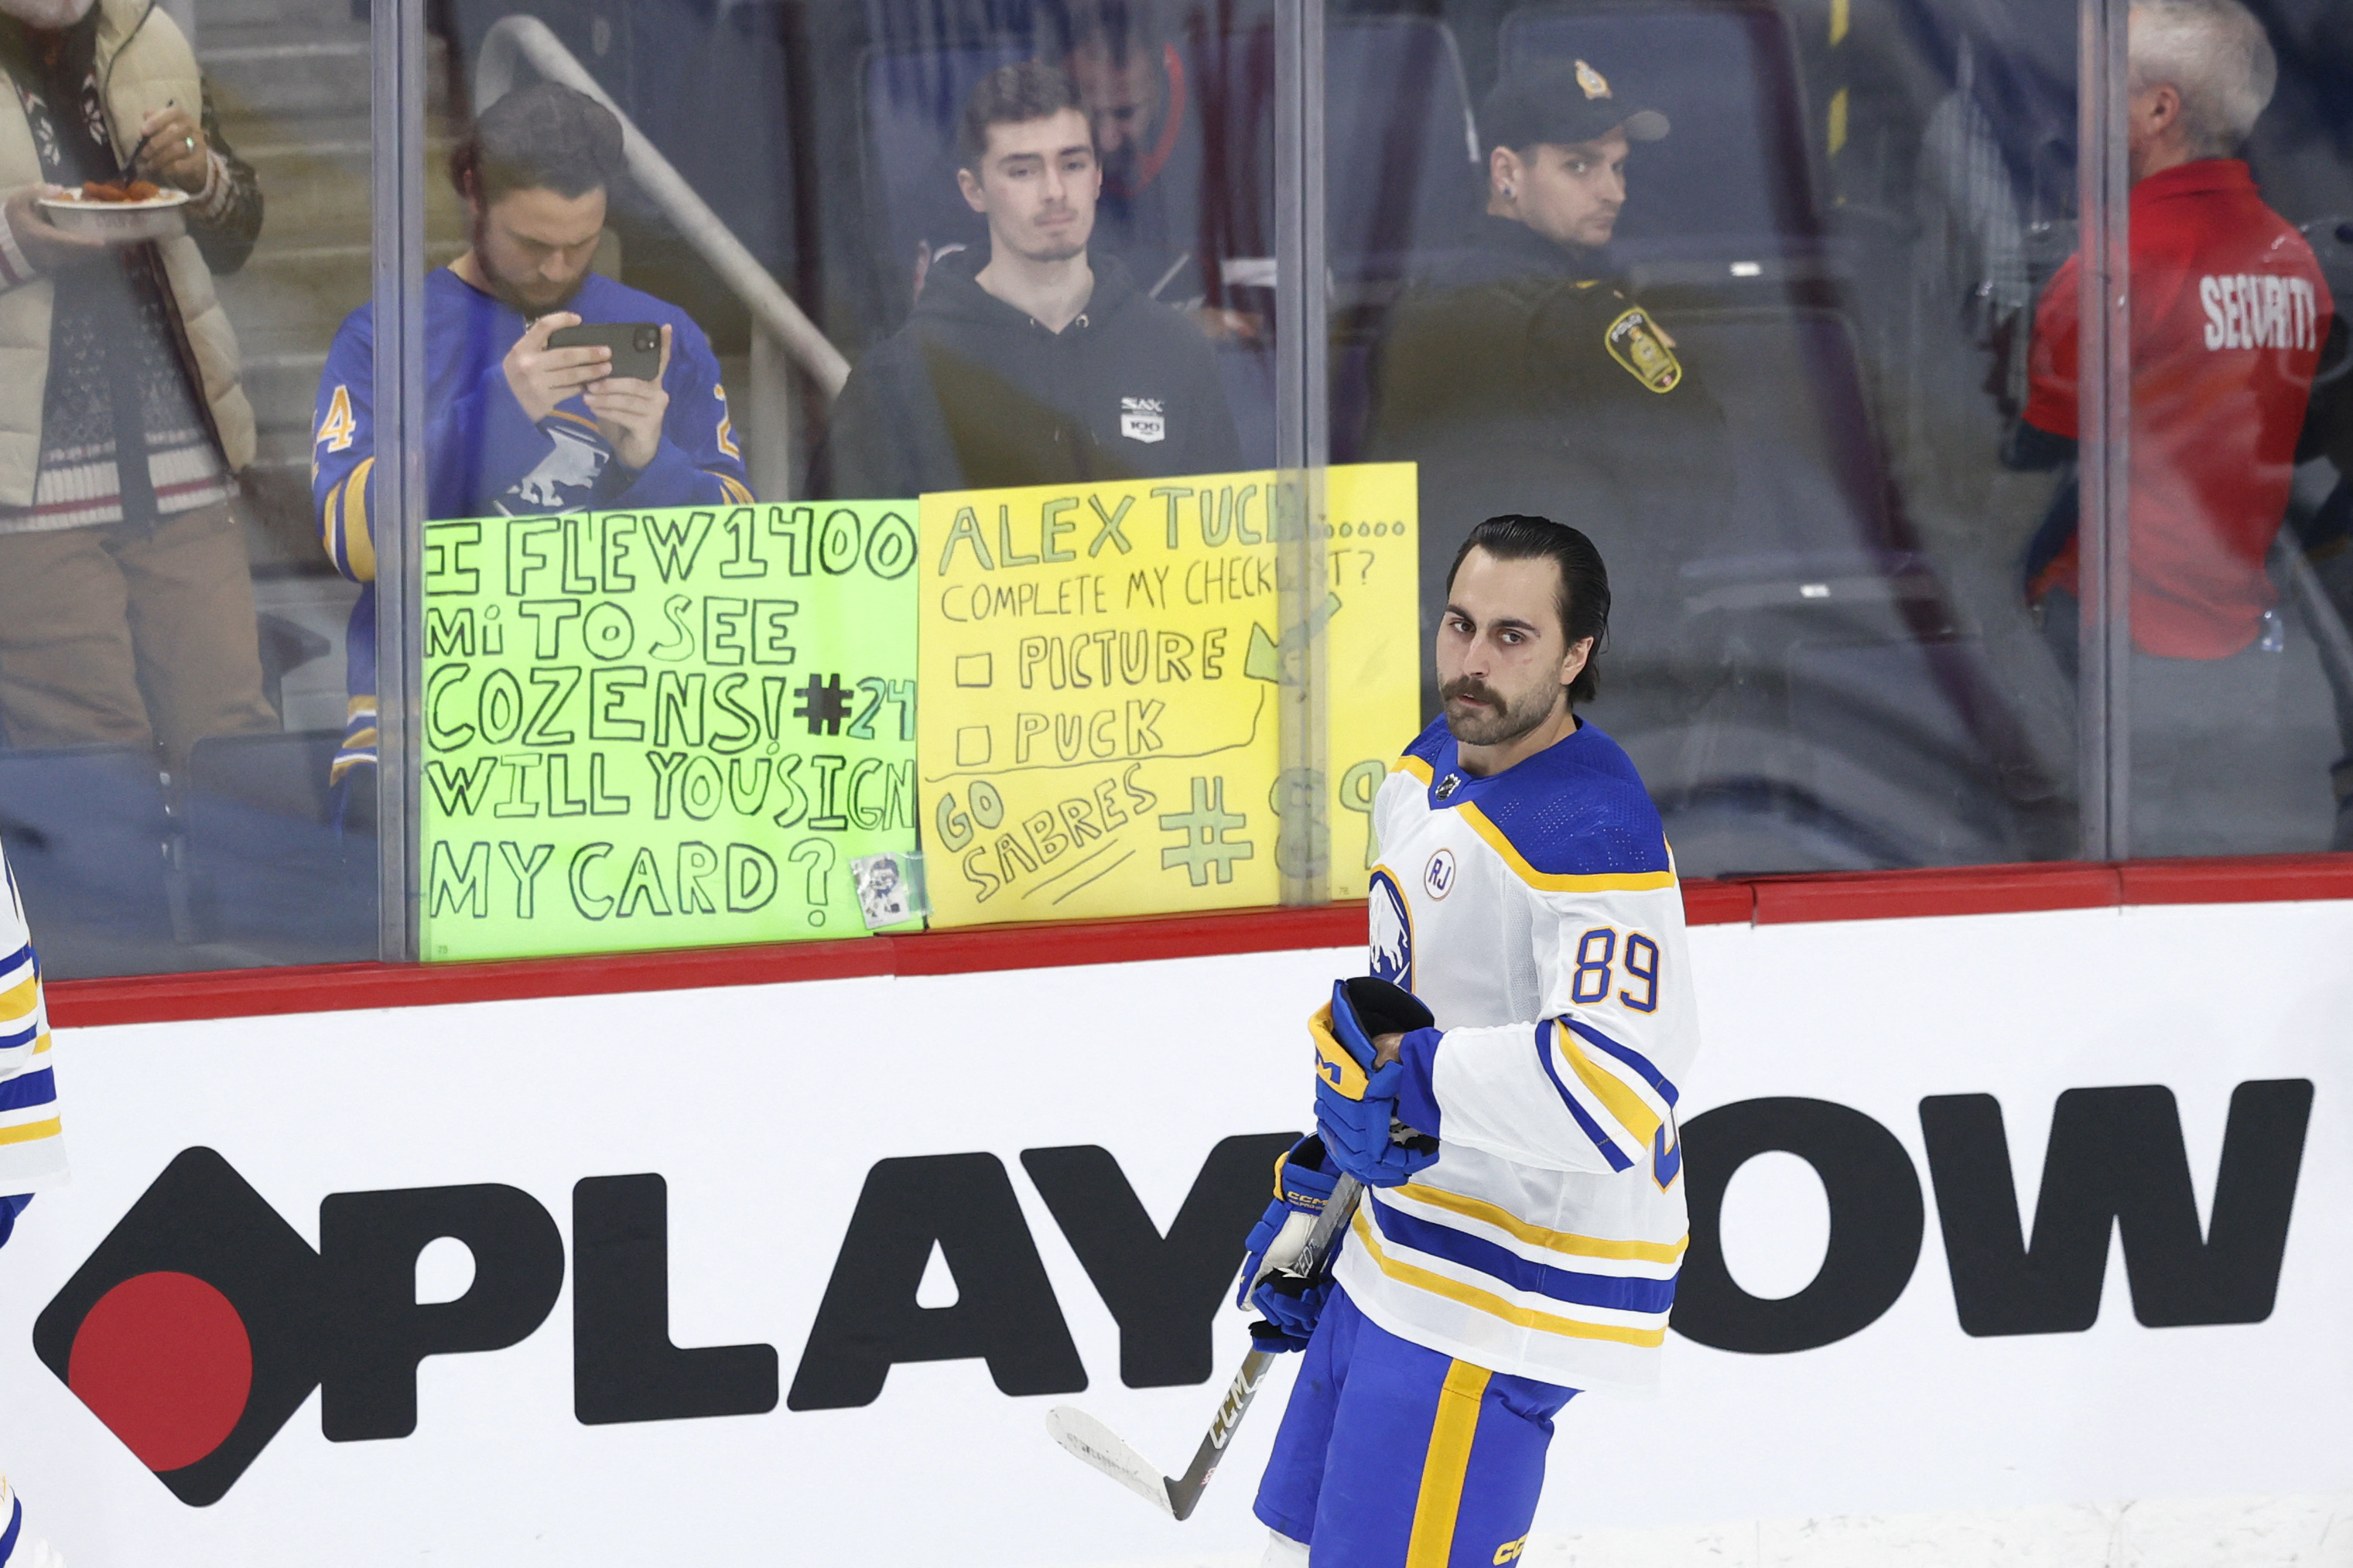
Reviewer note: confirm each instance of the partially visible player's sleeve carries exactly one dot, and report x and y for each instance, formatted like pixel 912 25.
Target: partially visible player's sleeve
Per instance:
pixel 32 1141
pixel 699 462
pixel 342 448
pixel 1592 1085
pixel 19 1549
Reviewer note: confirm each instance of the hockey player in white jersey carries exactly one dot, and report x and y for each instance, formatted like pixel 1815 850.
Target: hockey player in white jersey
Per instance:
pixel 1524 1246
pixel 32 1148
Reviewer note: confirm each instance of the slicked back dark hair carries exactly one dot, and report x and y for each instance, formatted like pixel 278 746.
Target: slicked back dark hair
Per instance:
pixel 1584 580
pixel 543 137
pixel 1013 95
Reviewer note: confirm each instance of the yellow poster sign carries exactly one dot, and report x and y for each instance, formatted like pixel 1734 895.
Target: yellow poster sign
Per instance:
pixel 1100 668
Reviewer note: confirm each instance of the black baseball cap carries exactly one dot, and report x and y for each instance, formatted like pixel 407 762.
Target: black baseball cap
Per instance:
pixel 1563 103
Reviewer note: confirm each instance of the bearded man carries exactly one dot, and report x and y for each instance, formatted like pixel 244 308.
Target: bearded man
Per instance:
pixel 515 427
pixel 1512 1121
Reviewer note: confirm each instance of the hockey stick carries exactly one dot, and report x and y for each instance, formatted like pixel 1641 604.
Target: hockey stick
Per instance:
pixel 1099 1446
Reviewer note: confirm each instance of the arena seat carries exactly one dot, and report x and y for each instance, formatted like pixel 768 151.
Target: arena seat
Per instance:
pixel 911 102
pixel 1400 149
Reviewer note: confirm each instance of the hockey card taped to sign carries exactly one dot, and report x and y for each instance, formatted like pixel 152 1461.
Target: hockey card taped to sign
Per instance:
pixel 1101 665
pixel 664 728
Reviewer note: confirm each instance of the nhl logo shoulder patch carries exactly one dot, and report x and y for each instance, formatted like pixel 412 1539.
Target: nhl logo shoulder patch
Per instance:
pixel 1142 419
pixel 1635 341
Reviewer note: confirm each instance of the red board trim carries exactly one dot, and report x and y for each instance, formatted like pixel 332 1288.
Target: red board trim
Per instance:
pixel 1765 900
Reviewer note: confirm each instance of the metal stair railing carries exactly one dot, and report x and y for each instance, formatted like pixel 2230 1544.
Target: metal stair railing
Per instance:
pixel 779 329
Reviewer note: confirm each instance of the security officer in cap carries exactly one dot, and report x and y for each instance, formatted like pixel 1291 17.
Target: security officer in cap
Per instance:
pixel 1521 376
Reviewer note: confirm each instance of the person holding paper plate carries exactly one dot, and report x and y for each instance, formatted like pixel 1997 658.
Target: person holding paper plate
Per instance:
pixel 126 603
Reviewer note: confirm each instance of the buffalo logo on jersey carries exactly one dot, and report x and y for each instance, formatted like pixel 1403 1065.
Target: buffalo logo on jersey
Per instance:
pixel 1392 931
pixel 1635 341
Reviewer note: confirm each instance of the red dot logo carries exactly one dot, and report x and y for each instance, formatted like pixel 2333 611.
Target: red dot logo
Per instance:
pixel 164 1360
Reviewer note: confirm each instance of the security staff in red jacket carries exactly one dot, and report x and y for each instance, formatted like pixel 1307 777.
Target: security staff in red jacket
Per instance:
pixel 2232 730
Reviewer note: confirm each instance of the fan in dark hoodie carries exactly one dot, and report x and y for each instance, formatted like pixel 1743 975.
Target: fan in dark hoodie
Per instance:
pixel 1033 364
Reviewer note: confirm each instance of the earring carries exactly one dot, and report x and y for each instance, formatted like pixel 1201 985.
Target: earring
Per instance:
pixel 1508 193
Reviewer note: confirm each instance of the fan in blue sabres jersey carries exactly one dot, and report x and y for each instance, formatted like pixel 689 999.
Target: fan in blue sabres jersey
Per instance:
pixel 1522 1219
pixel 513 426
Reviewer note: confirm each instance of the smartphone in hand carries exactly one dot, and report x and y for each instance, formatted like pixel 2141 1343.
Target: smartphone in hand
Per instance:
pixel 635 345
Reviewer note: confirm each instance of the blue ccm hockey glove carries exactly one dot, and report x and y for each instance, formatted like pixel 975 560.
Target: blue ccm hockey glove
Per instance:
pixel 1304 1180
pixel 1355 1104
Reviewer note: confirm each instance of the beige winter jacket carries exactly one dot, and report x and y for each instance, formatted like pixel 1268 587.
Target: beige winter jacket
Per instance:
pixel 144 63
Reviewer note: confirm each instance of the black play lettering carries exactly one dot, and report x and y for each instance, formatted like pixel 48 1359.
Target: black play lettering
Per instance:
pixel 2116 1162
pixel 368 1244
pixel 1164 1291
pixel 624 1366
pixel 1876 1220
pixel 1004 1311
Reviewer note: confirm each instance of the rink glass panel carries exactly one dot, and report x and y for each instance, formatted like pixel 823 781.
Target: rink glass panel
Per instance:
pixel 1776 399
pixel 175 682
pixel 1826 654
pixel 2239 690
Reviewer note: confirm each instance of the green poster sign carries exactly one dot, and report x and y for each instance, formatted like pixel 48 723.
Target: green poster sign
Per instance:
pixel 663 728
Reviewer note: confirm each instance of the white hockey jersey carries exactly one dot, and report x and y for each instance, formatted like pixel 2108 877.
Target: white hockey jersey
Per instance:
pixel 1535 912
pixel 32 1144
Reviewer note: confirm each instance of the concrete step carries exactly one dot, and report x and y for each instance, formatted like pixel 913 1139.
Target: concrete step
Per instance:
pixel 289 79
pixel 285 451
pixel 314 194
pixel 319 196
pixel 215 18
pixel 290 299
pixel 284 388
pixel 302 72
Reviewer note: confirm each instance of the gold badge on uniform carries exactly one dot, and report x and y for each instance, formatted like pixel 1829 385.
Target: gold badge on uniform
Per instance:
pixel 1592 82
pixel 1636 342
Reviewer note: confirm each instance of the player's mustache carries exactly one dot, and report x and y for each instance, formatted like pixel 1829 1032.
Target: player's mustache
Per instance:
pixel 1471 686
